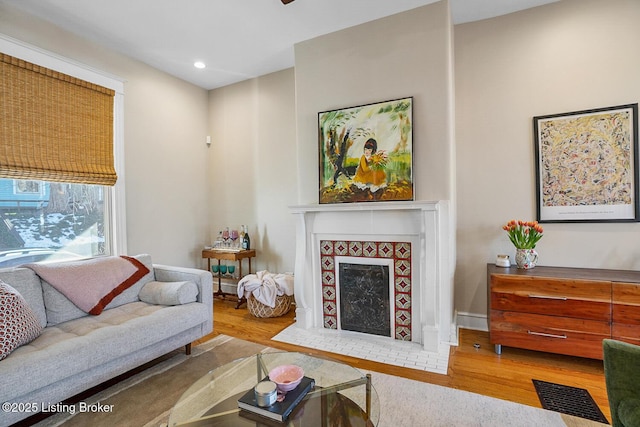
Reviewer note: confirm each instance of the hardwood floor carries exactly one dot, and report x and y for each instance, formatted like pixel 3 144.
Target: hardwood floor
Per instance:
pixel 478 370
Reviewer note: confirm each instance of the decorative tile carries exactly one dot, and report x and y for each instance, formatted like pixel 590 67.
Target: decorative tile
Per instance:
pixel 329 308
pixel 403 284
pixel 403 250
pixel 399 252
pixel 403 301
pixel 403 318
pixel 341 248
pixel 328 293
pixel 403 333
pixel 355 249
pixel 370 249
pixel 330 322
pixel 327 262
pixel 326 247
pixel 403 267
pixel 385 250
pixel 328 278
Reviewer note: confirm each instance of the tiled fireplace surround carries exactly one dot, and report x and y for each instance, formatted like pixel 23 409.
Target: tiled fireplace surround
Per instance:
pixel 413 238
pixel 398 255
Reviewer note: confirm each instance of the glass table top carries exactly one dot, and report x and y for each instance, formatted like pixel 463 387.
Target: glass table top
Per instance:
pixel 341 394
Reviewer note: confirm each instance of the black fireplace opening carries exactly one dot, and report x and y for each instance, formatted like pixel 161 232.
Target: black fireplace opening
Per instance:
pixel 364 298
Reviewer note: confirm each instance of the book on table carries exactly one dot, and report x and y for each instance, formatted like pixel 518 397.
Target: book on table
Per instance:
pixel 279 411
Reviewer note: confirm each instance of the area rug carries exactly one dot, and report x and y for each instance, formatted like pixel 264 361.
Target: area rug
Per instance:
pixel 568 400
pixel 146 399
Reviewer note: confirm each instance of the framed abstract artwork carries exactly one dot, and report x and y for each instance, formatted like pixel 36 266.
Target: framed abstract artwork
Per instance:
pixel 587 165
pixel 366 152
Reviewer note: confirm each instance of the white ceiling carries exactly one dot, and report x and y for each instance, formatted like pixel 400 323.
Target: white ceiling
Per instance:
pixel 236 39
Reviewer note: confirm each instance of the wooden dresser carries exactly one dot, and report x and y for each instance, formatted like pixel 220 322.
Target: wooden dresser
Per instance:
pixel 562 310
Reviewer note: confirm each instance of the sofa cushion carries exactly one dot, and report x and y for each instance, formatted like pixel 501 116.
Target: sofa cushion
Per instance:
pixel 86 343
pixel 18 323
pixel 28 284
pixel 60 309
pixel 169 293
pixel 131 294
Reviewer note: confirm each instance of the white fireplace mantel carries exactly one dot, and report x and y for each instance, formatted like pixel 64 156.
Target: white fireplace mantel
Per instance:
pixel 426 224
pixel 368 206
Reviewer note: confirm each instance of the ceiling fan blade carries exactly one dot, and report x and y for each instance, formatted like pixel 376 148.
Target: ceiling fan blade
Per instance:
pixel 286 1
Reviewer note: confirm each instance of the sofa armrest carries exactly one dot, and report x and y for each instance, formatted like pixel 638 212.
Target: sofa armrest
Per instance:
pixel 202 278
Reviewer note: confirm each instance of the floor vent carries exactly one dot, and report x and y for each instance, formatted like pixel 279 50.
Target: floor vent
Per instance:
pixel 568 400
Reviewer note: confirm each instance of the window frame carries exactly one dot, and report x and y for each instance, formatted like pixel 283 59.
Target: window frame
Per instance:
pixel 115 228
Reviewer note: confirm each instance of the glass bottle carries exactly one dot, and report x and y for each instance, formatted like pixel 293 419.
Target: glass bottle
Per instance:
pixel 246 241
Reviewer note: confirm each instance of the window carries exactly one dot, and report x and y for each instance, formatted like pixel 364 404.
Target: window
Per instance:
pixel 46 220
pixel 24 186
pixel 64 221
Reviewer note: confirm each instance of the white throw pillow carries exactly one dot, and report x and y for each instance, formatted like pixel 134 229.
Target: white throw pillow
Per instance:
pixel 169 293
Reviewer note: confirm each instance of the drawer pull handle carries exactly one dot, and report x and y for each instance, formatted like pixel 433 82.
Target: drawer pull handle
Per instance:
pixel 548 297
pixel 542 334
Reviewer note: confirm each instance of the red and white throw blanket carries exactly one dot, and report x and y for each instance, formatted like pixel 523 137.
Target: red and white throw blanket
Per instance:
pixel 92 284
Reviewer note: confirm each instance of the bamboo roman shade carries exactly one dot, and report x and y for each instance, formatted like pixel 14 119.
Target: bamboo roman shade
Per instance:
pixel 54 127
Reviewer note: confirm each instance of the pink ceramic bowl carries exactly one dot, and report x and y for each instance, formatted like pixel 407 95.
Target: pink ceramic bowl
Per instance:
pixel 286 377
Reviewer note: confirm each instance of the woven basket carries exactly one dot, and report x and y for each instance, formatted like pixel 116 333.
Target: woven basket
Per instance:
pixel 258 309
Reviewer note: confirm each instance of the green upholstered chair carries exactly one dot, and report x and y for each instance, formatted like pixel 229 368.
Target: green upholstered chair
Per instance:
pixel 622 376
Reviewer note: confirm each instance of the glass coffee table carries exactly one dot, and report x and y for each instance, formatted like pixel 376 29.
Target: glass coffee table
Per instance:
pixel 342 395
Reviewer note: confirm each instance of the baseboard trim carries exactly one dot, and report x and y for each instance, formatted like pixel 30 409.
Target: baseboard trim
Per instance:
pixel 478 322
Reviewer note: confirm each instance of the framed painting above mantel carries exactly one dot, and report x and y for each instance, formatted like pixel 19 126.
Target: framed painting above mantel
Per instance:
pixel 587 165
pixel 366 153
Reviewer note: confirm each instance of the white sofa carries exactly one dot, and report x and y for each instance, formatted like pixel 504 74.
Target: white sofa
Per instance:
pixel 76 351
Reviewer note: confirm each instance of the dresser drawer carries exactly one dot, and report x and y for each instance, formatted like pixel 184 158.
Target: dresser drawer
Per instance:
pixel 556 334
pixel 626 303
pixel 626 312
pixel 583 299
pixel 625 332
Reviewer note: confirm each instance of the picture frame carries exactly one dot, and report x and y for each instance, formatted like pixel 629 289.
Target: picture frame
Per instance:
pixel 366 153
pixel 587 165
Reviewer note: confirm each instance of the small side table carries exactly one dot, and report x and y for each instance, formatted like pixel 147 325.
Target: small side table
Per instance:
pixel 228 256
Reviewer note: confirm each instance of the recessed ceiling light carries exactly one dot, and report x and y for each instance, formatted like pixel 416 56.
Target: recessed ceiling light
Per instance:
pixel 199 64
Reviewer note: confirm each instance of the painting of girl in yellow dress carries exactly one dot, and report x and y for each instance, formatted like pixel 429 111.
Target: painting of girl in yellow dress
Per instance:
pixel 370 172
pixel 366 153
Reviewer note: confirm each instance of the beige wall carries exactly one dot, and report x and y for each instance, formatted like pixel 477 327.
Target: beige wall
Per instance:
pixel 567 56
pixel 165 150
pixel 270 123
pixel 408 54
pixel 253 165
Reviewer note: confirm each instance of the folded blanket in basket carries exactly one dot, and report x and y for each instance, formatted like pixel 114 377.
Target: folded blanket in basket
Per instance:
pixel 266 287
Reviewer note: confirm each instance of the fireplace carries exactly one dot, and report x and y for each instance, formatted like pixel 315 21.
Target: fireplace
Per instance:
pixel 364 298
pixel 378 286
pixel 412 239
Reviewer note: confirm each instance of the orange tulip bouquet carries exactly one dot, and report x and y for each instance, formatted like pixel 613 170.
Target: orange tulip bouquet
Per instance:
pixel 524 236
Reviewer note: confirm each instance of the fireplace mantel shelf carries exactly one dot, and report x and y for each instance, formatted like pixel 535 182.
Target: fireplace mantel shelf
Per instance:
pixel 366 206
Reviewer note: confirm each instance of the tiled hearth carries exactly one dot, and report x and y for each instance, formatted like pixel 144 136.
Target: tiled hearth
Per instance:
pixel 377 349
pixel 412 239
